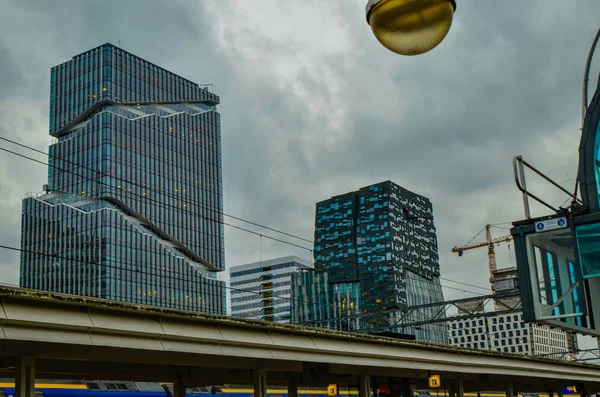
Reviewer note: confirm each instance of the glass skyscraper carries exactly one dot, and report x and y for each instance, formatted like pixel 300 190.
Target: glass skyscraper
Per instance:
pixel 375 249
pixel 262 290
pixel 133 206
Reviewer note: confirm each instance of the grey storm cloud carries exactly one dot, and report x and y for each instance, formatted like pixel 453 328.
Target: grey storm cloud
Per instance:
pixel 11 73
pixel 313 106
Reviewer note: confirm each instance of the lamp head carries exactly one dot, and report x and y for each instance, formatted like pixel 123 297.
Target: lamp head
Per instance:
pixel 410 27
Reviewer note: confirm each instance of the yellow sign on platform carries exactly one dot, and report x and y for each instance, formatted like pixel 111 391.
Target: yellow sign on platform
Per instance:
pixel 332 390
pixel 435 381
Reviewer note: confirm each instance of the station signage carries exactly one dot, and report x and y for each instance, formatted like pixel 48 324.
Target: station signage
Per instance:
pixel 551 224
pixel 435 381
pixel 332 390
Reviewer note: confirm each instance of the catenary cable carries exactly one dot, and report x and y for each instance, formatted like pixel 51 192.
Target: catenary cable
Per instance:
pixel 162 204
pixel 150 189
pixel 241 290
pixel 205 217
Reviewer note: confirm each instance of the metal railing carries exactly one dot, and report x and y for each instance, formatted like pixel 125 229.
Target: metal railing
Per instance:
pixel 519 165
pixel 404 317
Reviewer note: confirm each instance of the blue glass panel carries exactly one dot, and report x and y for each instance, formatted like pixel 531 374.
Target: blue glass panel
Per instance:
pixel 573 280
pixel 588 243
pixel 597 160
pixel 157 159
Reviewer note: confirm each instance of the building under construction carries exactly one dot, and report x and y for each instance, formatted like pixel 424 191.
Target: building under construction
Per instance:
pixel 504 332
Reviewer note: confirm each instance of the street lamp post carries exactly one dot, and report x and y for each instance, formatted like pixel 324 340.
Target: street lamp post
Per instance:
pixel 410 27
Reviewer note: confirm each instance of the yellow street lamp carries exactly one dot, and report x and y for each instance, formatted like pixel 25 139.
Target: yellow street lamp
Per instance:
pixel 410 27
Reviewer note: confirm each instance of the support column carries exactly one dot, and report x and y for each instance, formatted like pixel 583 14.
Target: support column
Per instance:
pixel 374 387
pixel 460 388
pixel 583 392
pixel 259 379
pixel 292 386
pixel 364 385
pixel 451 390
pixel 25 377
pixel 560 392
pixel 391 385
pixel 406 390
pixel 510 389
pixel 178 388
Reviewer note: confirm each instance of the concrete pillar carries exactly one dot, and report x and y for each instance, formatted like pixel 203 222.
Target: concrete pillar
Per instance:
pixel 292 386
pixel 259 379
pixel 406 390
pixel 394 392
pixel 178 388
pixel 560 392
pixel 364 385
pixel 550 393
pixel 25 377
pixel 510 389
pixel 374 387
pixel 583 391
pixel 451 390
pixel 460 388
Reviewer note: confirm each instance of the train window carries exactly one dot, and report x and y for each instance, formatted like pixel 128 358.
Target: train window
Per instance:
pixel 157 387
pixel 39 393
pixel 93 386
pixel 2 394
pixel 122 386
pixel 110 386
pixel 132 386
pixel 145 386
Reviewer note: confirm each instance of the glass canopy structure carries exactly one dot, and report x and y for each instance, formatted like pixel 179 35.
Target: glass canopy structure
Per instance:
pixel 558 256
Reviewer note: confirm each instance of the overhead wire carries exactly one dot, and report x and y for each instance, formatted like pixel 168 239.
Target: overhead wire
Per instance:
pixel 203 216
pixel 462 283
pixel 158 275
pixel 501 223
pixel 109 266
pixel 149 189
pixel 153 200
pixel 474 237
pixel 424 280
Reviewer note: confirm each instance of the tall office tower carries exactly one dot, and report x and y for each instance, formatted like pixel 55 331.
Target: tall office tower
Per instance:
pixel 375 250
pixel 261 290
pixel 133 206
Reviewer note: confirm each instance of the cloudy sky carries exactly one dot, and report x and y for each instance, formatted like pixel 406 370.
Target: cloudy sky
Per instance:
pixel 312 106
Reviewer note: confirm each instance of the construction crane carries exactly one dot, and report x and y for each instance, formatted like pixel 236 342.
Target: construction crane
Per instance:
pixel 495 274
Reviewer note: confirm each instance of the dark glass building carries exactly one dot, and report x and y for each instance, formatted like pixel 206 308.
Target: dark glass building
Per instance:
pixel 133 206
pixel 375 249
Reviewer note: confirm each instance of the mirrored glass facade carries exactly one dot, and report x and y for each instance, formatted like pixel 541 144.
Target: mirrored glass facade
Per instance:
pixel 311 297
pixel 378 247
pixel 261 290
pixel 134 183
